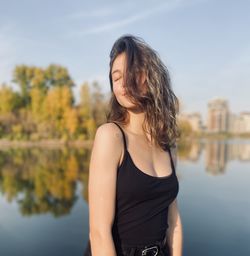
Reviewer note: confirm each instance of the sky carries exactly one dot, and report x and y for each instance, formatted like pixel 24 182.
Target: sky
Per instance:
pixel 205 44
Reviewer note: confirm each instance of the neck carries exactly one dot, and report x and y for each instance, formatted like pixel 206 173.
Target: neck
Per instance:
pixel 134 125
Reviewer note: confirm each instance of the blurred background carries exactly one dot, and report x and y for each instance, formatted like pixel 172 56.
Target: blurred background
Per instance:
pixel 54 93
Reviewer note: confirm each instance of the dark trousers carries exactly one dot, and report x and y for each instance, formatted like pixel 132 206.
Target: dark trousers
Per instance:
pixel 158 248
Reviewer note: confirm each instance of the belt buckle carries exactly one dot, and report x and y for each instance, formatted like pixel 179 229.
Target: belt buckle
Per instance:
pixel 144 252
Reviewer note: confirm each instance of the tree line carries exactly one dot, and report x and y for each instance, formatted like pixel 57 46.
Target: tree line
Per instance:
pixel 44 106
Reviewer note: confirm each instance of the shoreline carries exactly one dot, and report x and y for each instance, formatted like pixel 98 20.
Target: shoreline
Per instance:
pixel 58 143
pixel 52 143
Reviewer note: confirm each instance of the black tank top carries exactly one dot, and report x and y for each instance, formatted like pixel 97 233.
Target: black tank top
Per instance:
pixel 142 201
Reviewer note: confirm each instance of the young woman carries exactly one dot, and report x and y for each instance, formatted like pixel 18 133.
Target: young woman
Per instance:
pixel 133 185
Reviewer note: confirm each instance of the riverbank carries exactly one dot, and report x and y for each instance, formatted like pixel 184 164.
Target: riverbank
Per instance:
pixel 57 143
pixel 53 143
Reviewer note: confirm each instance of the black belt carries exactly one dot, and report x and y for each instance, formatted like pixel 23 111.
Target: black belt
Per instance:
pixel 153 249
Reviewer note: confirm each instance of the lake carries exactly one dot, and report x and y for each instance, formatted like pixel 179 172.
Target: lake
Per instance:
pixel 44 208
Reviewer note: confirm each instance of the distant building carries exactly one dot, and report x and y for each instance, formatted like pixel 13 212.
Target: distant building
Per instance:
pixel 219 119
pixel 235 123
pixel 218 115
pixel 240 123
pixel 246 121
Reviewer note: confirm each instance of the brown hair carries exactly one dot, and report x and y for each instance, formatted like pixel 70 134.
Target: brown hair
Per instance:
pixel 159 103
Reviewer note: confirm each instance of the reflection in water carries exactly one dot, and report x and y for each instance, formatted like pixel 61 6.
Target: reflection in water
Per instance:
pixel 43 181
pixel 217 154
pixel 55 181
pixel 216 157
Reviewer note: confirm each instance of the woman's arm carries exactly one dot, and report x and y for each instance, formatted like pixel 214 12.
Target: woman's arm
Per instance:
pixel 174 234
pixel 104 160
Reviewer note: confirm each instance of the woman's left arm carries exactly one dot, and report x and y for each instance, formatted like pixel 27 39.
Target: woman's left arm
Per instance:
pixel 174 233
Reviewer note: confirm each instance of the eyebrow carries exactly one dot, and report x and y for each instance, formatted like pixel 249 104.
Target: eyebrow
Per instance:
pixel 117 70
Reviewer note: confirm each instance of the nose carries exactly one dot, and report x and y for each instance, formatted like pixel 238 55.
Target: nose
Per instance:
pixel 123 91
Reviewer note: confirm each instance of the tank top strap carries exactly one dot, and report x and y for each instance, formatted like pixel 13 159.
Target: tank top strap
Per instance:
pixel 123 135
pixel 171 158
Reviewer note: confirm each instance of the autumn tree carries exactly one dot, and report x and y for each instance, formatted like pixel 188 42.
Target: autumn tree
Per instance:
pixel 86 111
pixel 58 76
pixel 98 102
pixel 8 98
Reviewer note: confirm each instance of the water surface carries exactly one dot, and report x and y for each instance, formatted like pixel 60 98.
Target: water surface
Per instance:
pixel 44 208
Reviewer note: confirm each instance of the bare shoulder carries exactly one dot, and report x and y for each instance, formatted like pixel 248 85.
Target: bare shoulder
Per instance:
pixel 109 129
pixel 108 142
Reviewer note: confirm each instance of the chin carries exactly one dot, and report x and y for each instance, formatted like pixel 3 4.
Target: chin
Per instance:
pixel 127 104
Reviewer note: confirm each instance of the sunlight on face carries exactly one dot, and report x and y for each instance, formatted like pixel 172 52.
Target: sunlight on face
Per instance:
pixel 118 73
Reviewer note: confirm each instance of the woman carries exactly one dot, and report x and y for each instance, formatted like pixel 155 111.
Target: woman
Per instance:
pixel 132 181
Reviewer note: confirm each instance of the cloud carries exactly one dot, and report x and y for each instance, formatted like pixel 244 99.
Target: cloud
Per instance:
pixel 102 12
pixel 139 15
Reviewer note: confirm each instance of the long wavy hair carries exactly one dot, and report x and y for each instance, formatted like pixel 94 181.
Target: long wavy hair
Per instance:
pixel 159 102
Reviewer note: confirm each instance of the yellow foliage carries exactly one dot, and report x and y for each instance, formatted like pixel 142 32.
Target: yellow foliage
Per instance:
pixel 71 120
pixel 7 99
pixel 37 98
